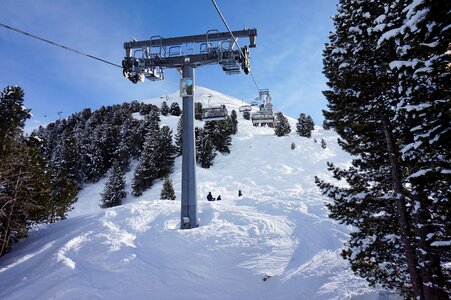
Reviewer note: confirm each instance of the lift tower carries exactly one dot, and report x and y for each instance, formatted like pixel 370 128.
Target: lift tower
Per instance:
pixel 149 58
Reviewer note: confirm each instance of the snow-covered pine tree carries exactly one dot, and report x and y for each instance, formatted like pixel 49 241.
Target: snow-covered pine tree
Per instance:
pixel 164 153
pixel 361 95
pixel 305 125
pixel 167 192
pixel 421 35
pixel 219 135
pixel 175 109
pixel 205 150
pixel 12 115
pixel 246 115
pixel 198 111
pixel 179 137
pixel 114 191
pixel 164 110
pixel 233 122
pixel 146 170
pixel 24 181
pixel 282 126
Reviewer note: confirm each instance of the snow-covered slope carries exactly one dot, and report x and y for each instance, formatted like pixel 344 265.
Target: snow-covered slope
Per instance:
pixel 274 242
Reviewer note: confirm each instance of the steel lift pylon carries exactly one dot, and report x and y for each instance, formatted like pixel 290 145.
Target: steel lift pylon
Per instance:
pixel 149 58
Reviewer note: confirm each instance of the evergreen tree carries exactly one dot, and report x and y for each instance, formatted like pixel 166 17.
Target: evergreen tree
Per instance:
pixel 305 125
pixel 198 111
pixel 205 150
pixel 164 110
pixel 175 109
pixel 179 137
pixel 164 153
pixel 146 170
pixel 114 191
pixel 247 115
pixel 219 134
pixel 233 122
pixel 420 33
pixel 367 63
pixel 282 126
pixel 325 125
pixel 167 193
pixel 12 115
pixel 23 177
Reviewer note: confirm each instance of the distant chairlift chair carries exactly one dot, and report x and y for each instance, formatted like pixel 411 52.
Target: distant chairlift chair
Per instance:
pixel 244 108
pixel 217 113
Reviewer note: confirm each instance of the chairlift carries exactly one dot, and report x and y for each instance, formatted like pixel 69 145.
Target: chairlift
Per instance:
pixel 215 113
pixel 262 118
pixel 244 108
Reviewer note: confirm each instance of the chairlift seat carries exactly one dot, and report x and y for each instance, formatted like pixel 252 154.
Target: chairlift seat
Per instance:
pixel 214 113
pixel 245 108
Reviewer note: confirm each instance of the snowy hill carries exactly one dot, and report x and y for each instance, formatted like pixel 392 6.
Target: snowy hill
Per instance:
pixel 274 242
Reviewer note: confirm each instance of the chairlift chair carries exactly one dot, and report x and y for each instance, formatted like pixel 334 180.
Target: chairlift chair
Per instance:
pixel 244 108
pixel 262 117
pixel 214 113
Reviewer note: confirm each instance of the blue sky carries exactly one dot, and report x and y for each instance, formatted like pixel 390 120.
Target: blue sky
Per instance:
pixel 287 59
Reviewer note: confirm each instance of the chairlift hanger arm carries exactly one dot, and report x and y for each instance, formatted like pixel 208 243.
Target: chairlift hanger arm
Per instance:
pixel 215 36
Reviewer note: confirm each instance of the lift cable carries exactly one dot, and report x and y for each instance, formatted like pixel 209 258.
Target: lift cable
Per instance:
pixel 58 45
pixel 234 39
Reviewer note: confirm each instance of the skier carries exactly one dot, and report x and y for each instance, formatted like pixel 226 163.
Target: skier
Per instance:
pixel 210 197
pixel 218 198
pixel 239 193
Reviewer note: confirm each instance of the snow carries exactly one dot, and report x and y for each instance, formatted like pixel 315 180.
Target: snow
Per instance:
pixel 274 242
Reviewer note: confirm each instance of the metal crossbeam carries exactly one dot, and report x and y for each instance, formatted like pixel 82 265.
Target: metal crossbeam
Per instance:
pixel 212 37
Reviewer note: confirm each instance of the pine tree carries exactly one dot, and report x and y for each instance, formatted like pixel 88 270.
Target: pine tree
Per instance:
pixel 198 111
pixel 179 137
pixel 146 170
pixel 114 191
pixel 305 125
pixel 175 109
pixel 23 177
pixel 164 153
pixel 388 71
pixel 420 33
pixel 247 115
pixel 12 115
pixel 282 126
pixel 167 192
pixel 164 110
pixel 233 122
pixel 219 135
pixel 205 150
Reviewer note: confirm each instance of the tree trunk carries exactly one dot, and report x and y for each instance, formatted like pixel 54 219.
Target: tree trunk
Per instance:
pixel 404 225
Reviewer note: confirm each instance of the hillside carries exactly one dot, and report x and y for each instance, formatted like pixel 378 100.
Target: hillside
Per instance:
pixel 274 242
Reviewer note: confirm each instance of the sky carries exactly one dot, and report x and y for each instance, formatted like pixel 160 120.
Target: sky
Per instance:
pixel 287 60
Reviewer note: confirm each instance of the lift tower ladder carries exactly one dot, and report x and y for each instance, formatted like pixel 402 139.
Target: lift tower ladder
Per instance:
pixel 149 58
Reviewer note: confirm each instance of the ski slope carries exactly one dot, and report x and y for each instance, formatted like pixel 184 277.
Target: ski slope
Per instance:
pixel 274 242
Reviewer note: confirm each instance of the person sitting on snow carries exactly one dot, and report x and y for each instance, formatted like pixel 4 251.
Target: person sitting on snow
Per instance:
pixel 210 197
